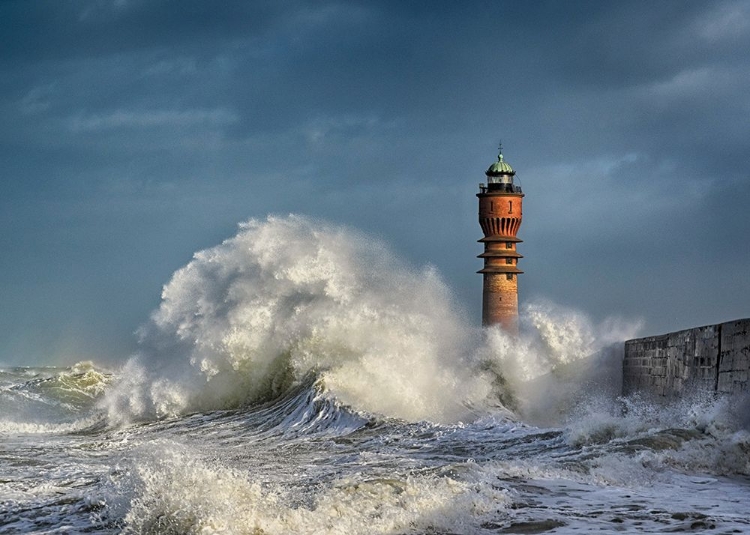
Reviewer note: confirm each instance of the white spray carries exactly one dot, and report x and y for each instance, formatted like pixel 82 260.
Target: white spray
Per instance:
pixel 290 296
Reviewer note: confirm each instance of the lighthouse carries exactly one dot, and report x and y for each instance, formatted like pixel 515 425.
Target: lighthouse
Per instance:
pixel 500 213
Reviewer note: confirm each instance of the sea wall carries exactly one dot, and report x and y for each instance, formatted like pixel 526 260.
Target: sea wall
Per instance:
pixel 714 358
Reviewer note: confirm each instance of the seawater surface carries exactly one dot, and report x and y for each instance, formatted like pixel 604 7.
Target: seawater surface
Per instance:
pixel 299 378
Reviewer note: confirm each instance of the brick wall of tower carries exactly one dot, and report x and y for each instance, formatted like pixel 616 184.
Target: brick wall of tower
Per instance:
pixel 500 301
pixel 500 213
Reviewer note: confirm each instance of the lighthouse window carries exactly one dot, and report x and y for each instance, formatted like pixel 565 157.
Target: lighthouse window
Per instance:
pixel 510 207
pixel 508 260
pixel 509 276
pixel 508 245
pixel 492 206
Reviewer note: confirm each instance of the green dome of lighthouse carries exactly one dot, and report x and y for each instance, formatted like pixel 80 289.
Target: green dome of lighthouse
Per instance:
pixel 500 167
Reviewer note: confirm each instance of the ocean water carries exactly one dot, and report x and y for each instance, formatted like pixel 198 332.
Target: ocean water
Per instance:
pixel 299 378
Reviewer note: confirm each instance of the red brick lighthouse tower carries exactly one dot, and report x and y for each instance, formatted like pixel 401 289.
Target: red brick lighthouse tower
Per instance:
pixel 500 212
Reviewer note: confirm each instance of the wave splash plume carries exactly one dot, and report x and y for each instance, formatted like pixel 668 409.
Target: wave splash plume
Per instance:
pixel 289 296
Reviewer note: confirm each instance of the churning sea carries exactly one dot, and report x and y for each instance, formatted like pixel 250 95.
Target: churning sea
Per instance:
pixel 300 379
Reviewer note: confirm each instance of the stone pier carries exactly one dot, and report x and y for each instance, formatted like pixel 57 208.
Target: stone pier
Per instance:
pixel 714 358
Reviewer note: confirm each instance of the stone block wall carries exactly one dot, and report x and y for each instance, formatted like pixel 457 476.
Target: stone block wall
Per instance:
pixel 735 357
pixel 714 358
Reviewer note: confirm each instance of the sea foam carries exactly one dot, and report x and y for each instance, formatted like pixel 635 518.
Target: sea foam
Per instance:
pixel 177 491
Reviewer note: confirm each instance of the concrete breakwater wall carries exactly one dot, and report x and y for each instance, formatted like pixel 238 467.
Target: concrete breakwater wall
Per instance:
pixel 714 358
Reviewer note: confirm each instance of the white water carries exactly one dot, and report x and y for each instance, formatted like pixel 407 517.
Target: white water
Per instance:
pixel 290 296
pixel 298 378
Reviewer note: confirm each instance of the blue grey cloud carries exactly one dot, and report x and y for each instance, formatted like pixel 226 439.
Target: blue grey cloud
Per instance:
pixel 137 132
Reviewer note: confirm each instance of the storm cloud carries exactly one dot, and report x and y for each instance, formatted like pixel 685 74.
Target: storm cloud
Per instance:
pixel 137 132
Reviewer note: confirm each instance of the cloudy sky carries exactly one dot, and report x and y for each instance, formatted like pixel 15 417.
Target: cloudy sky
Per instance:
pixel 136 132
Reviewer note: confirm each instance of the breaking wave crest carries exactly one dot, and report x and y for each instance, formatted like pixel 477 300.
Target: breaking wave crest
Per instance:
pixel 697 432
pixel 290 296
pixel 32 398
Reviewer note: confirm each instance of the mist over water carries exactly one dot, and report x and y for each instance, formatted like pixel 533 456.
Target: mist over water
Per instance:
pixel 300 378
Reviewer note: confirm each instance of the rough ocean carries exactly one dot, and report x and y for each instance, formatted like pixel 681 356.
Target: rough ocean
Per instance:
pixel 299 378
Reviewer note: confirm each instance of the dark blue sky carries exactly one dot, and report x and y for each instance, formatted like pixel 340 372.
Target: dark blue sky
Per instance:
pixel 136 132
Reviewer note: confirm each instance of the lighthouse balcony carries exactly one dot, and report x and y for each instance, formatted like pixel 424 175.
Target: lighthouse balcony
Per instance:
pixel 500 254
pixel 501 269
pixel 499 237
pixel 499 188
